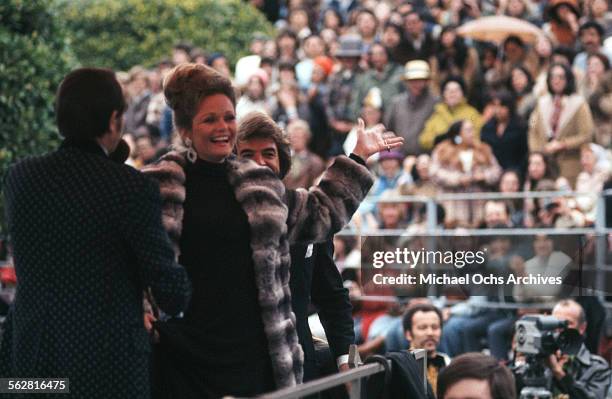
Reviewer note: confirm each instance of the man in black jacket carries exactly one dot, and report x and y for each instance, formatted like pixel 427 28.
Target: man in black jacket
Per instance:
pixel 87 241
pixel 315 279
pixel 314 276
pixel 584 375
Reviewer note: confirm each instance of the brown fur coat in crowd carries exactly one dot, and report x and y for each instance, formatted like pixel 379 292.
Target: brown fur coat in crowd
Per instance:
pixel 447 170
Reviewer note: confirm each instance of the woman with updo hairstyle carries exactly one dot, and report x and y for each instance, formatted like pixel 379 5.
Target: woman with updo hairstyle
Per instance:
pixel 231 230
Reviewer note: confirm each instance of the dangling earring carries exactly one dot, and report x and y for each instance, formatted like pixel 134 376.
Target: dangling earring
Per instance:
pixel 191 154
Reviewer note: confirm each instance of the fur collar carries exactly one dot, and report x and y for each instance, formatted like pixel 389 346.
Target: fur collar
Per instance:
pixel 260 194
pixel 311 216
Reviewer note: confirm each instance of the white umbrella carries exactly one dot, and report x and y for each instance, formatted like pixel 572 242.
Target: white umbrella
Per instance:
pixel 497 28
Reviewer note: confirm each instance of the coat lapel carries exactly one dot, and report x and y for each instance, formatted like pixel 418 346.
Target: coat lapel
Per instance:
pixel 571 104
pixel 259 192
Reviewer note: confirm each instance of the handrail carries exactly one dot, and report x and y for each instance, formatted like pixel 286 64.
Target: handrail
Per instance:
pixel 516 231
pixel 483 196
pixel 480 304
pixel 356 376
pixel 324 383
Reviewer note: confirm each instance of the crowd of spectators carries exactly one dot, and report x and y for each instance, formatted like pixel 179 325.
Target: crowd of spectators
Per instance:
pixel 509 116
pixel 521 114
pixel 533 112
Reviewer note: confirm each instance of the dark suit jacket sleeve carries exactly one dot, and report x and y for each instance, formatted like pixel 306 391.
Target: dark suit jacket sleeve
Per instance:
pixel 332 300
pixel 154 255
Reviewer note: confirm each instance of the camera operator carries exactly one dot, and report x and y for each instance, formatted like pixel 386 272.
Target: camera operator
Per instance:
pixel 584 375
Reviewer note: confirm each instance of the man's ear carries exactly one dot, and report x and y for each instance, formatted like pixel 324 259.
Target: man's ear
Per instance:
pixel 582 329
pixel 408 335
pixel 115 123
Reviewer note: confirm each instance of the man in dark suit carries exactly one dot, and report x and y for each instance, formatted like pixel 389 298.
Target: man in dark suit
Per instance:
pixel 314 276
pixel 87 240
pixel 315 279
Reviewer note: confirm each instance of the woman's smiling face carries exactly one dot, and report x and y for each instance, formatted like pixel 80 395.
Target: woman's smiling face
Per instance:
pixel 213 128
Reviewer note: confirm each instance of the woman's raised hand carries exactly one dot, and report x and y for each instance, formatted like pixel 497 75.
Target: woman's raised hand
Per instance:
pixel 375 139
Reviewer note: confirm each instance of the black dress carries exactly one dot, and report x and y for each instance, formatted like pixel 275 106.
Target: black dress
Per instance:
pixel 219 347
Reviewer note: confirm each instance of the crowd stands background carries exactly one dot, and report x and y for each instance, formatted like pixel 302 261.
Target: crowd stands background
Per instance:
pixel 519 115
pixel 476 116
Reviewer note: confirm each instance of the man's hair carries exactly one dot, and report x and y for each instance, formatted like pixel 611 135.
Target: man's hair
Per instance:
pixel 566 303
pixel 592 25
pixel 183 46
pixel 564 51
pixel 479 367
pixel 415 12
pixel 516 40
pixel 421 307
pixel 286 33
pixel 368 11
pixel 188 84
pixel 257 125
pixel 85 101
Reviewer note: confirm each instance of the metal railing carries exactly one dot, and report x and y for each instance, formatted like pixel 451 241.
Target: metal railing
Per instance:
pixel 357 377
pixel 598 231
pixel 432 202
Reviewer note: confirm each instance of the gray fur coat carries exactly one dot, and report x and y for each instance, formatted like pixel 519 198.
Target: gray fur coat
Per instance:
pixel 276 218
